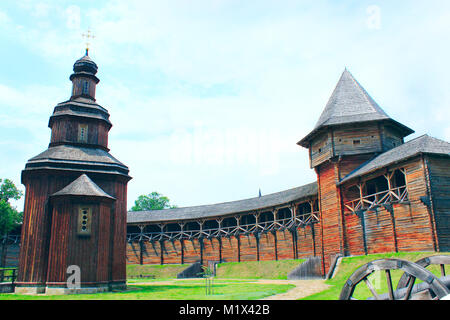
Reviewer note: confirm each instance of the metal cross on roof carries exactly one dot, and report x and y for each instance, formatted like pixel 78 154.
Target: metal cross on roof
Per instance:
pixel 87 36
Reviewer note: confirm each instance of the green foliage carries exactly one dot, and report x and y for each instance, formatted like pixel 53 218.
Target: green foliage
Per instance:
pixel 9 191
pixel 152 201
pixel 9 216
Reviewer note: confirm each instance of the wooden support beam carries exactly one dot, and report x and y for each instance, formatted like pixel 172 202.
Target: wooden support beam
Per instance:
pixel 238 238
pixel 360 214
pixel 200 241
pixel 275 244
pixel 313 236
pixel 141 252
pixel 182 250
pixel 161 246
pixel 256 234
pixel 219 239
pixel 430 209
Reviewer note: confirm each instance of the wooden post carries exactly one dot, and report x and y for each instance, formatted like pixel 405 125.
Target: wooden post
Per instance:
pixel 275 244
pixel 182 250
pixel 219 239
pixel 274 232
pixel 161 247
pixel 141 251
pixel 390 208
pixel 294 231
pixel 238 238
pixel 430 208
pixel 181 241
pixel 141 245
pixel 360 214
pixel 313 236
pixel 200 241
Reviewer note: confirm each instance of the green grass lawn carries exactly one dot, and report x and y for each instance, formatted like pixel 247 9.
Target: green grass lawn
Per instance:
pixel 234 281
pixel 257 269
pixel 175 290
pixel 167 271
pixel 350 264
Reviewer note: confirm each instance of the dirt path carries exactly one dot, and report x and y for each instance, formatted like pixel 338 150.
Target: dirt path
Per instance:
pixel 302 288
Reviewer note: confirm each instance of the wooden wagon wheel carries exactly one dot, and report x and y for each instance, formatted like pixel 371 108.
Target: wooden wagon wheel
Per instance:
pixel 438 289
pixel 441 260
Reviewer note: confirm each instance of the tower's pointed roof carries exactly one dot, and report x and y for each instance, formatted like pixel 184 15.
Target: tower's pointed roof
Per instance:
pixel 83 186
pixel 350 103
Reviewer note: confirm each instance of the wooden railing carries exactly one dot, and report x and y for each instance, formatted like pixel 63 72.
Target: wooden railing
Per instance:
pixel 10 239
pixel 257 227
pixel 394 195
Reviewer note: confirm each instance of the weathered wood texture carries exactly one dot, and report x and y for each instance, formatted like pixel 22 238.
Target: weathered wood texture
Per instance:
pixel 65 130
pixel 395 227
pixel 78 84
pixel 10 253
pixel 356 139
pixel 439 179
pixel 90 253
pixel 39 227
pixel 391 227
pixel 271 246
pixel 330 211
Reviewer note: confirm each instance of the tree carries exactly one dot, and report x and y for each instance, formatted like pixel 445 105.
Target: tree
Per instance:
pixel 9 216
pixel 152 201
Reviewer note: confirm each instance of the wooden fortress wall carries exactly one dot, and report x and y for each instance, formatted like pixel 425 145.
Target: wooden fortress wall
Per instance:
pixel 406 226
pixel 278 245
pixel 421 223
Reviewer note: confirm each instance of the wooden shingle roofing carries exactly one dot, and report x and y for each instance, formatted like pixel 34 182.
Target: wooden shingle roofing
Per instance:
pixel 83 186
pixel 350 103
pixel 423 144
pixel 225 208
pixel 77 158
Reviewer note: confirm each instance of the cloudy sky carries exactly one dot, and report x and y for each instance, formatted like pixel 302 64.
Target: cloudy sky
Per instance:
pixel 208 98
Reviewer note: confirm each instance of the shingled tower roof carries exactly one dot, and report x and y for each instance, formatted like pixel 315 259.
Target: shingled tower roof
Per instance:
pixel 83 186
pixel 350 103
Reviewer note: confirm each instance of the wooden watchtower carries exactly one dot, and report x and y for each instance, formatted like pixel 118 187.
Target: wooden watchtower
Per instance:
pixel 75 200
pixel 351 130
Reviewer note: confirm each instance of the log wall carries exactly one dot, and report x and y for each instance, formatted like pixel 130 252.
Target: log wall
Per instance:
pixel 270 246
pixel 439 180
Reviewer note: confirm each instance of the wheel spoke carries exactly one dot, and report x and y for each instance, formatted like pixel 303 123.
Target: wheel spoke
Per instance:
pixel 371 288
pixel 389 283
pixel 411 280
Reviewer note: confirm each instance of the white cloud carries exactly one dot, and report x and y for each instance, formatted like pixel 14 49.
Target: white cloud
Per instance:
pixel 73 17
pixel 208 99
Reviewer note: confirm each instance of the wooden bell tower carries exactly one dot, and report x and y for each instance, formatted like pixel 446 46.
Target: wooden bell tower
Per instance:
pixel 75 201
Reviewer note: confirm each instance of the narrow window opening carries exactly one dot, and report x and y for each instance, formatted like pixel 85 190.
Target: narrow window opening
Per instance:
pixel 82 132
pixel 356 141
pixel 84 221
pixel 85 87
